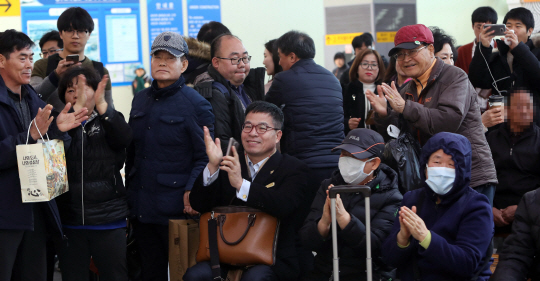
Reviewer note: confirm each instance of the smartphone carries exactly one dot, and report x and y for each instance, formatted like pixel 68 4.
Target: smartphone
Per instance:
pixel 73 58
pixel 232 142
pixel 499 29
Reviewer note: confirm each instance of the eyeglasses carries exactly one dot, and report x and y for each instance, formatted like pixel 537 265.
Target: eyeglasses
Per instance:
pixel 411 53
pixel 236 61
pixel 49 52
pixel 261 128
pixel 366 65
pixel 71 32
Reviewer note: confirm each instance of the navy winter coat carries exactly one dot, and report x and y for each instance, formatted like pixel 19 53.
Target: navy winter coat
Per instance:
pixel 461 225
pixel 167 152
pixel 311 99
pixel 13 213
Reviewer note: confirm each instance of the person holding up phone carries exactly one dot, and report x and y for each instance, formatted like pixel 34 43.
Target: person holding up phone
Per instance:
pixel 75 26
pixel 513 65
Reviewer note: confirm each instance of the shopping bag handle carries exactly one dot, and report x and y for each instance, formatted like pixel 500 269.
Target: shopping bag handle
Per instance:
pixel 364 189
pixel 28 134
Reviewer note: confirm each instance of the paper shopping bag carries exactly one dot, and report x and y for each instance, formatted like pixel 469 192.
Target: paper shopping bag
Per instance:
pixel 42 170
pixel 183 245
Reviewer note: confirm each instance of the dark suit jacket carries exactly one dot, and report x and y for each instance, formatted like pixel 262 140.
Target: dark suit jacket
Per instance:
pixel 282 200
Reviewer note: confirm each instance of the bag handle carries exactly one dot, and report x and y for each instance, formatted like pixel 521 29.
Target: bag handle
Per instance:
pixel 222 218
pixel 213 247
pixel 28 134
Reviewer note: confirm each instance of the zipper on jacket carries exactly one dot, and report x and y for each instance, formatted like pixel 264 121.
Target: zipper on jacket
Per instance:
pixel 82 171
pixel 511 151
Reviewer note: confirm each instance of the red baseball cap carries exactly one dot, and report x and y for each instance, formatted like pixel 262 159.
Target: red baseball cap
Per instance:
pixel 410 37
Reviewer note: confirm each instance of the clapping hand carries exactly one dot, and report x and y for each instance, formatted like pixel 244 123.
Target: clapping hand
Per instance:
pixel 392 95
pixel 213 150
pixel 82 92
pixel 231 165
pixel 378 103
pixel 67 121
pixel 414 224
pixel 99 95
pixel 42 121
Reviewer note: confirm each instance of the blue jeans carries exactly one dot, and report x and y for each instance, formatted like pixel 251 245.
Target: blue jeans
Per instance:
pixel 488 190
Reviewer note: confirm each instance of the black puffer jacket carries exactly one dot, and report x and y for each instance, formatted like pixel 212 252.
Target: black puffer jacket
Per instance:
pixel 228 111
pixel 354 105
pixel 94 159
pixel 385 201
pixel 526 68
pixel 311 99
pixel 517 162
pixel 519 258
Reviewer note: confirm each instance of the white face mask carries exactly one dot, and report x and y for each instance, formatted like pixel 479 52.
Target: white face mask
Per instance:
pixel 352 170
pixel 440 179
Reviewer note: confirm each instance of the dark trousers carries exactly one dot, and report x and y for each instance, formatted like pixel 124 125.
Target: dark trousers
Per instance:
pixel 305 256
pixel 106 247
pixel 153 243
pixel 202 271
pixel 22 252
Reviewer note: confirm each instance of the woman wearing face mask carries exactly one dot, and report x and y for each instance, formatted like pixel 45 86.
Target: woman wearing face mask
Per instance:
pixel 359 164
pixel 367 71
pixel 443 229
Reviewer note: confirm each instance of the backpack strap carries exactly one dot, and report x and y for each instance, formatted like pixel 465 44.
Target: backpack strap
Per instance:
pixel 222 89
pixel 99 67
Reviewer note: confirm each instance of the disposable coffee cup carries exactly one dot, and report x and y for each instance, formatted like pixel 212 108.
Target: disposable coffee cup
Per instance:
pixel 495 101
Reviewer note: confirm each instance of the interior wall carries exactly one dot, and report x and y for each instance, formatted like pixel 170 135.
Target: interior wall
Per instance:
pixel 255 22
pixel 454 17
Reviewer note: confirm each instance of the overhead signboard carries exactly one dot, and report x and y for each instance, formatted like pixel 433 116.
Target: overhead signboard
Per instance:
pixel 163 15
pixel 10 8
pixel 341 39
pixel 386 36
pixel 200 12
pixel 115 41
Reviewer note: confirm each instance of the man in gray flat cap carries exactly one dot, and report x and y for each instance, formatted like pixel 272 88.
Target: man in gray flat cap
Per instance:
pixel 167 152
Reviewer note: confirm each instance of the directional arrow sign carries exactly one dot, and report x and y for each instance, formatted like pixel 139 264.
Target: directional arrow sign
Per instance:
pixel 8 5
pixel 9 8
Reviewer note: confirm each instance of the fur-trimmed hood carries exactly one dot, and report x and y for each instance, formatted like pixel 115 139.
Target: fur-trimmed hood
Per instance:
pixel 198 49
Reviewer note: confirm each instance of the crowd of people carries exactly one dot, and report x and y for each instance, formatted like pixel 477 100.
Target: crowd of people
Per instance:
pixel 305 131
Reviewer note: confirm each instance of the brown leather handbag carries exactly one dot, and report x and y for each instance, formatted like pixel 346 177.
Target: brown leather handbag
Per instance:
pixel 245 236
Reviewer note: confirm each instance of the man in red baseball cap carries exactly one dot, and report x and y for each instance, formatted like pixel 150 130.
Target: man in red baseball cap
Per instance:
pixel 441 99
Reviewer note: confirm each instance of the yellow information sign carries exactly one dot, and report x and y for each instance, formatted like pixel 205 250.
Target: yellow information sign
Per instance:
pixel 10 8
pixel 386 36
pixel 340 39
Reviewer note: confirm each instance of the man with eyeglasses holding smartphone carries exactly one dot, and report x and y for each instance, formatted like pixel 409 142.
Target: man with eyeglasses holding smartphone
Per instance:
pixel 235 85
pixel 75 26
pixel 256 175
pixel 441 99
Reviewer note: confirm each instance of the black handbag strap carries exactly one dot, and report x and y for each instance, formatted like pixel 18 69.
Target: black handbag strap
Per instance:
pixel 214 253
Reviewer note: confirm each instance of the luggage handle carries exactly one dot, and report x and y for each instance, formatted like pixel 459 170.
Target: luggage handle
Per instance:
pixel 364 189
pixel 222 218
